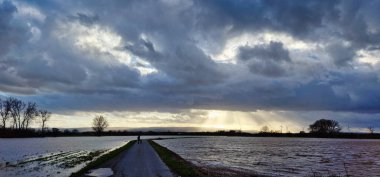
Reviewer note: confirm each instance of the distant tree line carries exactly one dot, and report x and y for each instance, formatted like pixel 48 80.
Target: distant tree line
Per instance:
pixel 323 128
pixel 17 115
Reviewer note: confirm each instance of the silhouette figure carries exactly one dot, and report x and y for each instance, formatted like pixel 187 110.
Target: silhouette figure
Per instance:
pixel 138 140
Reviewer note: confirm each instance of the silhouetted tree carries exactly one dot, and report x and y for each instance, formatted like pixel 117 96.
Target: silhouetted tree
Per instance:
pixel 30 114
pixel 55 131
pixel 324 126
pixel 265 129
pixel 371 129
pixel 5 111
pixel 44 117
pixel 19 116
pixel 99 123
pixel 16 111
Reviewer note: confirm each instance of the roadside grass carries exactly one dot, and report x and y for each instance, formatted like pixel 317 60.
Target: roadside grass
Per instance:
pixel 102 159
pixel 176 163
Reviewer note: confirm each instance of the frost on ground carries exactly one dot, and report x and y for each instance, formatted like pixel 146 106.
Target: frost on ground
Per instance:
pixel 52 164
pixel 101 172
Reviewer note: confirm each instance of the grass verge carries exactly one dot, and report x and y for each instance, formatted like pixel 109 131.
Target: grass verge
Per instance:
pixel 175 162
pixel 102 159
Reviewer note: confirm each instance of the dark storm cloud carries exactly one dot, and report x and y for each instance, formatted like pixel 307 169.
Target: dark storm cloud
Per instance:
pixel 59 71
pixel 11 33
pixel 268 60
pixel 300 18
pixel 185 62
pixel 308 20
pixel 274 51
pixel 357 22
pixel 74 60
pixel 50 64
pixel 85 19
pixel 341 55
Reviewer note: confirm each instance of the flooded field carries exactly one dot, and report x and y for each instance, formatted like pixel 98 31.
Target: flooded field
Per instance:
pixel 282 156
pixel 54 156
pixel 58 156
pixel 267 156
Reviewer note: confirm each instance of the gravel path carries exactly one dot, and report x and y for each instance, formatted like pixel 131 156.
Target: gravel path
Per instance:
pixel 141 160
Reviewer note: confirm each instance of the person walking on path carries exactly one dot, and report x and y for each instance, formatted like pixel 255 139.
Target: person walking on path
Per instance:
pixel 138 139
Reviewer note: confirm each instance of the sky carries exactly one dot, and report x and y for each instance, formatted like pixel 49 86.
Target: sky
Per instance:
pixel 221 64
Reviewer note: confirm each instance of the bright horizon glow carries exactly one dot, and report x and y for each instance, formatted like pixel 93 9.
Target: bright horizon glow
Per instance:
pixel 203 120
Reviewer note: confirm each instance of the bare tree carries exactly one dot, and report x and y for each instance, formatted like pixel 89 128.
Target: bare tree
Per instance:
pixel 44 117
pixel 99 123
pixel 265 129
pixel 20 115
pixel 16 109
pixel 1 113
pixel 371 129
pixel 30 114
pixel 5 111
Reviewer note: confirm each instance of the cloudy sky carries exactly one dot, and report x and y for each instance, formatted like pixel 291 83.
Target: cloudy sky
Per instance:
pixel 225 64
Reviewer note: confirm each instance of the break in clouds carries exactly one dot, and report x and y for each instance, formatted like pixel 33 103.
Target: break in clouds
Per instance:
pixel 171 55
